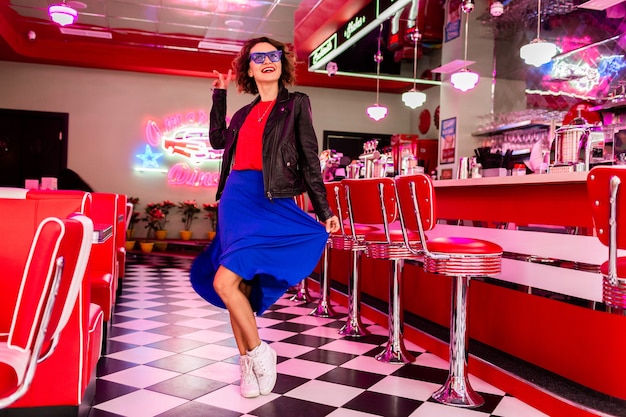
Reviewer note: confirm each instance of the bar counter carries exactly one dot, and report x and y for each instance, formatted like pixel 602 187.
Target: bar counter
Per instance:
pixel 545 308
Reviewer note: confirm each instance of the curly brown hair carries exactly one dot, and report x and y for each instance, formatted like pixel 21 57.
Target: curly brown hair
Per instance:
pixel 241 64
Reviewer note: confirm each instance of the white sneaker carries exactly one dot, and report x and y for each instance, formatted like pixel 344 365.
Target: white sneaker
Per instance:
pixel 249 386
pixel 264 365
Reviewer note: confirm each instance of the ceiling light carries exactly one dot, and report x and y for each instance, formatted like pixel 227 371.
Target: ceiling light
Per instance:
pixel 414 98
pixel 87 33
pixel 62 14
pixel 496 9
pixel 378 112
pixel 465 79
pixel 538 52
pixel 218 46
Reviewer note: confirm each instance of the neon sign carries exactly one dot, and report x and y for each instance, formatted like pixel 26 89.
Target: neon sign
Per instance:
pixel 181 136
pixel 369 17
pixel 353 26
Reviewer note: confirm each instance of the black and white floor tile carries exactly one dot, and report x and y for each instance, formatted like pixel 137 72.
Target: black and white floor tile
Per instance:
pixel 171 354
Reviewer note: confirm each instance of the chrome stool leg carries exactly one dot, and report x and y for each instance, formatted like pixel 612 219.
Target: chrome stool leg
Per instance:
pixel 395 351
pixel 457 390
pixel 324 307
pixel 354 326
pixel 302 292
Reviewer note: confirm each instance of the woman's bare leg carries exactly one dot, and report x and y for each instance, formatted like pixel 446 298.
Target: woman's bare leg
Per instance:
pixel 231 290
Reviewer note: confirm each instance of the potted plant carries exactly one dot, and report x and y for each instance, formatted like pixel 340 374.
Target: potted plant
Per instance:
pixel 211 214
pixel 154 219
pixel 189 209
pixel 158 227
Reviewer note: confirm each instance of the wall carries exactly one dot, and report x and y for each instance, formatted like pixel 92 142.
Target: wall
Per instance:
pixel 108 111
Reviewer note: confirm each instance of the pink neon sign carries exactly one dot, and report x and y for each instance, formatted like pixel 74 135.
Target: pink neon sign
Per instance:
pixel 184 136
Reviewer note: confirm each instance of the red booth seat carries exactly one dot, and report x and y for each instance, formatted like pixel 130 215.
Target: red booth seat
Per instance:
pixel 61 380
pixel 49 283
pixel 101 208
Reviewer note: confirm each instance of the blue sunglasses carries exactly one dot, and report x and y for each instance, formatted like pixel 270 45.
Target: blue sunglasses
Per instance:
pixel 259 57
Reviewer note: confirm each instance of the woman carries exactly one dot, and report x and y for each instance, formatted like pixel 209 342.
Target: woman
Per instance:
pixel 265 243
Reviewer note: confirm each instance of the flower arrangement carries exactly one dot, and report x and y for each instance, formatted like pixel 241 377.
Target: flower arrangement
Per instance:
pixel 211 213
pixel 158 219
pixel 155 219
pixel 189 208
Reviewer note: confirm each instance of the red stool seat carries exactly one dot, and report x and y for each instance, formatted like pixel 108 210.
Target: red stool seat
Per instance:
pixel 458 257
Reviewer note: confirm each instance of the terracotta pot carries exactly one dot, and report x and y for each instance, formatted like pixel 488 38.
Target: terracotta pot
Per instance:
pixel 185 234
pixel 160 234
pixel 146 246
pixel 130 245
pixel 160 246
pixel 211 235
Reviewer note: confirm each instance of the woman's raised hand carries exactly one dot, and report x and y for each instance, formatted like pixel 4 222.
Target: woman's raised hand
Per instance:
pixel 222 80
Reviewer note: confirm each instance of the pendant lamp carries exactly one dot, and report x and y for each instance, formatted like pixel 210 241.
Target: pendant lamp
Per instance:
pixel 538 51
pixel 414 98
pixel 62 14
pixel 376 111
pixel 465 79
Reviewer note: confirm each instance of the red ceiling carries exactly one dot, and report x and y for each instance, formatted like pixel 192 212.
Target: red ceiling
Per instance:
pixel 312 26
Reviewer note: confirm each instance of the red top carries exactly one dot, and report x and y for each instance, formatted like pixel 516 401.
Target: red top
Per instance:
pixel 249 152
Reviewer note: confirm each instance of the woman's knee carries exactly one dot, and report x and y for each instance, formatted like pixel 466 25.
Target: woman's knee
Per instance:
pixel 225 282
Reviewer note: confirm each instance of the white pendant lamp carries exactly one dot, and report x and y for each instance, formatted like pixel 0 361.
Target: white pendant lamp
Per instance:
pixel 414 98
pixel 465 79
pixel 62 14
pixel 377 112
pixel 538 51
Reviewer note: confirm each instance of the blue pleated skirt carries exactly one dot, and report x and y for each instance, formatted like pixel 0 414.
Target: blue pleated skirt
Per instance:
pixel 271 244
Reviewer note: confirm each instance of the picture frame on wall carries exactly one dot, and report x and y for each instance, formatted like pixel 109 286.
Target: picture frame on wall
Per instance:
pixel 447 141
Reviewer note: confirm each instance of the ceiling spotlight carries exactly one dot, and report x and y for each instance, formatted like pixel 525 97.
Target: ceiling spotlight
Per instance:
pixel 62 14
pixel 467 6
pixel 496 9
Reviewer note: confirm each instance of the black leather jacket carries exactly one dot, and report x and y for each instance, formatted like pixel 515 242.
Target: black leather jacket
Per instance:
pixel 291 165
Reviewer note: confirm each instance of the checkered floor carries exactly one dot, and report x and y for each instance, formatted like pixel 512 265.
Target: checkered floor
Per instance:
pixel 171 354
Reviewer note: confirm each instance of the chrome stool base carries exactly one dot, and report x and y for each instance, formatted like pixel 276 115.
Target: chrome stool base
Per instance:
pixel 324 308
pixel 457 392
pixel 354 327
pixel 395 353
pixel 302 292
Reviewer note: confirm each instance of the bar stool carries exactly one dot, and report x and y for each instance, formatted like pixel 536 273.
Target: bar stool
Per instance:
pixel 460 258
pixel 301 290
pixel 607 198
pixel 373 201
pixel 349 238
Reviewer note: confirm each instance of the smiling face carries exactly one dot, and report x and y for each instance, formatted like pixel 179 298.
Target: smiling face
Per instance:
pixel 268 71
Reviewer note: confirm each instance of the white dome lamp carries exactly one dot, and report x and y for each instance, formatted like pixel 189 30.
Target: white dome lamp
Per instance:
pixel 376 111
pixel 538 51
pixel 414 98
pixel 465 79
pixel 62 14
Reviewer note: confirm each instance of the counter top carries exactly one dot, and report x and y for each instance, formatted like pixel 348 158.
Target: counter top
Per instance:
pixel 569 177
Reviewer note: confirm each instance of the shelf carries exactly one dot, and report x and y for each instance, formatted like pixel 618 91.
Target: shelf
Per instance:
pixel 511 126
pixel 609 105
